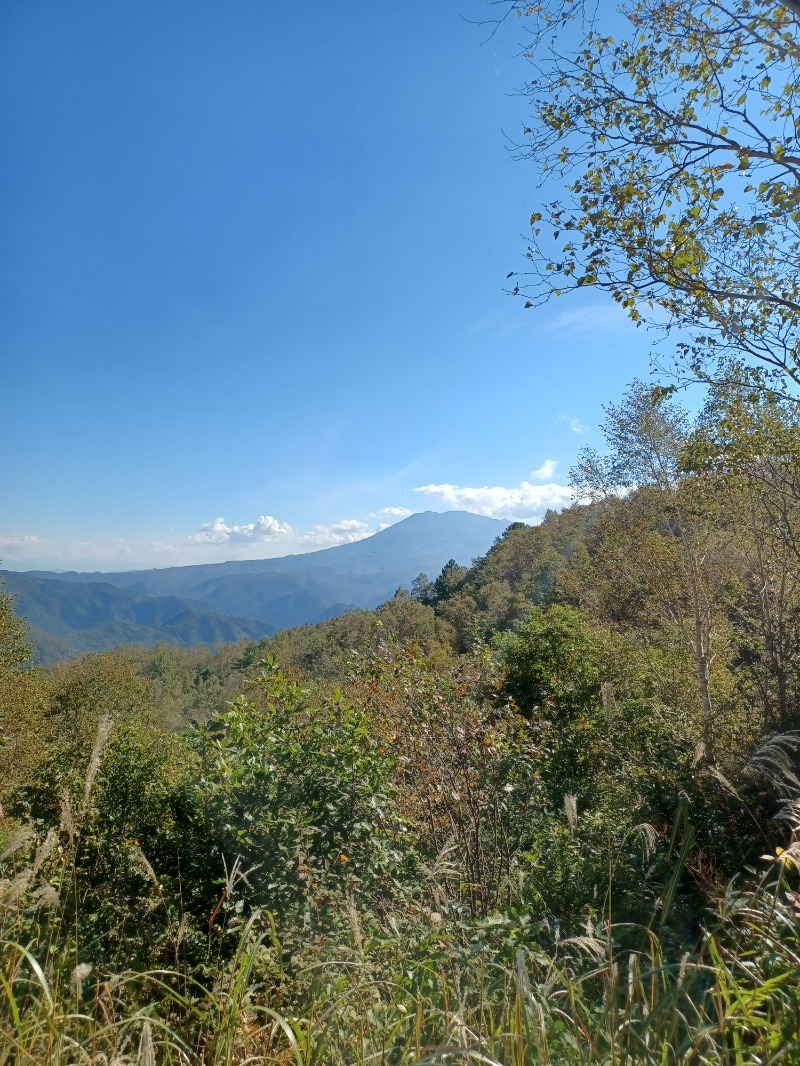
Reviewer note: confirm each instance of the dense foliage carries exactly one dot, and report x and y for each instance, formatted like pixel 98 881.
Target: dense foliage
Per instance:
pixel 518 814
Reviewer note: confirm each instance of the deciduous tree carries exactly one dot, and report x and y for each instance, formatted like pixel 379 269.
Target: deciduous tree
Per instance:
pixel 667 138
pixel 672 550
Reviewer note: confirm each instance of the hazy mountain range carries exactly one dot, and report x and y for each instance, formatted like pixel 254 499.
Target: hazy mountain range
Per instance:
pixel 70 613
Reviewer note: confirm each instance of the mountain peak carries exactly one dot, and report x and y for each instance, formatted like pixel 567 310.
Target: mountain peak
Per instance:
pixel 273 593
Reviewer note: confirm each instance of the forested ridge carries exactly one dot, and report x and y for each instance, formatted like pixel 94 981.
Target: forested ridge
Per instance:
pixel 541 809
pixel 73 613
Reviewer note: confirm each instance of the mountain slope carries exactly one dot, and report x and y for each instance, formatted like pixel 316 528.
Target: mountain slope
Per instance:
pixel 68 618
pixel 297 589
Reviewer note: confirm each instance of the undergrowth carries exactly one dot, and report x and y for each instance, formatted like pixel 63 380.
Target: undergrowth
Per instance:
pixel 375 880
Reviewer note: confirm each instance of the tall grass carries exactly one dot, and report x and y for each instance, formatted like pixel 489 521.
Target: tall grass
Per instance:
pixel 734 999
pixel 406 985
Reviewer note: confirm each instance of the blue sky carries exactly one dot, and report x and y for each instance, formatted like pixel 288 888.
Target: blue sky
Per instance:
pixel 253 259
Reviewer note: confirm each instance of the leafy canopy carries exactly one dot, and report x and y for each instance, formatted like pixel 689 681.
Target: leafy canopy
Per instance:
pixel 675 147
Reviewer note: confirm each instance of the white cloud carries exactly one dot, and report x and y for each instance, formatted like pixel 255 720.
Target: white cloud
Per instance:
pixel 574 424
pixel 545 471
pixel 214 541
pixel 29 550
pixel 161 547
pixel 20 542
pixel 345 532
pixel 219 532
pixel 392 512
pixel 277 538
pixel 525 502
pixel 114 549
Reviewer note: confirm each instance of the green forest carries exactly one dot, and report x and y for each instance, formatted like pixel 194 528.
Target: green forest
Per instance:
pixel 544 809
pixel 539 810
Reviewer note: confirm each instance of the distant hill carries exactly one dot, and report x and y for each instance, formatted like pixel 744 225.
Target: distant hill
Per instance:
pixel 68 618
pixel 247 598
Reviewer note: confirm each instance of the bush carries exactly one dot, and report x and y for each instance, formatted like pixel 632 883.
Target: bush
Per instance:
pixel 297 800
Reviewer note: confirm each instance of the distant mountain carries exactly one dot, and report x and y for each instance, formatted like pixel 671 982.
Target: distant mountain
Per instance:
pixel 68 619
pixel 265 594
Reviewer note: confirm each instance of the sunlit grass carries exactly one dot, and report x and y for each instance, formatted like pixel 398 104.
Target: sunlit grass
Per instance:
pixel 732 1000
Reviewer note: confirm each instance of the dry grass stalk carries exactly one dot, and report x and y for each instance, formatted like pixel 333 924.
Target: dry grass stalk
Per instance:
pixel 648 836
pixel 144 863
pixel 47 897
pixel 147 1055
pixel 776 762
pixel 355 925
pixel 22 882
pixel 571 810
pixel 23 835
pixel 104 727
pixel 79 975
pixel 67 814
